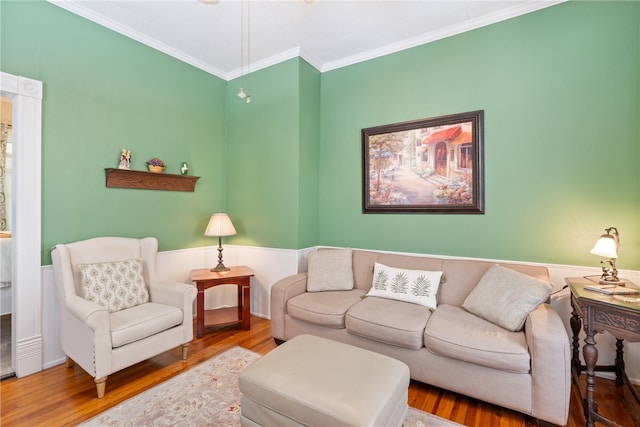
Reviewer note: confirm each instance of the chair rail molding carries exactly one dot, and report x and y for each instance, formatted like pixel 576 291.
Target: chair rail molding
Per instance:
pixel 26 288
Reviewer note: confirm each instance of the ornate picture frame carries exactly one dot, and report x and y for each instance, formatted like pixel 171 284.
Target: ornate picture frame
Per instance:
pixel 432 165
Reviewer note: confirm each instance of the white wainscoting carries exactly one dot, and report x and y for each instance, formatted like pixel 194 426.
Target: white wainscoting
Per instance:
pixel 271 265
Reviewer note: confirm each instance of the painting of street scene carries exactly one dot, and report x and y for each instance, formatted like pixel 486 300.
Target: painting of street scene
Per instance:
pixel 430 165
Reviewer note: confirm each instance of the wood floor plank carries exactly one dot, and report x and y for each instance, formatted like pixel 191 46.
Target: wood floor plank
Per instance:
pixel 61 396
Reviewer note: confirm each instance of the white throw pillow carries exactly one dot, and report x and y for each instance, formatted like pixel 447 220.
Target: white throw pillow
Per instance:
pixel 415 286
pixel 329 270
pixel 506 297
pixel 114 285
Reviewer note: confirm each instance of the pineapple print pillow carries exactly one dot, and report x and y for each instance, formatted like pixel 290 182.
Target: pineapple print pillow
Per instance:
pixel 414 286
pixel 114 285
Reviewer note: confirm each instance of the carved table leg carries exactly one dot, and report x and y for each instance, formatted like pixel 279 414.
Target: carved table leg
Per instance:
pixel 200 310
pixel 576 325
pixel 619 362
pixel 590 354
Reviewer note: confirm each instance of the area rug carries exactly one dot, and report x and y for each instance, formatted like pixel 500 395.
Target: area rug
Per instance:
pixel 207 395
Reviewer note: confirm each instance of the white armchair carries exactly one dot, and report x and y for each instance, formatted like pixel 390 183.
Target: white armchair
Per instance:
pixel 104 339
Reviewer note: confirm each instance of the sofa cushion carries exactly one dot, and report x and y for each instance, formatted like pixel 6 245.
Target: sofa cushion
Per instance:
pixel 142 321
pixel 114 285
pixel 330 270
pixel 505 297
pixel 454 332
pixel 391 322
pixel 414 286
pixel 324 308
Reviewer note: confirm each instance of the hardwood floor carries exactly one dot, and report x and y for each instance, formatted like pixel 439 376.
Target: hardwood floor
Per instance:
pixel 61 396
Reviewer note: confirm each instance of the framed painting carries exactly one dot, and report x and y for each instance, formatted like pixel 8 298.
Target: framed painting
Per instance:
pixel 432 165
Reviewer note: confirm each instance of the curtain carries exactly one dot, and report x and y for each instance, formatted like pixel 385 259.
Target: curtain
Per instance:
pixel 4 133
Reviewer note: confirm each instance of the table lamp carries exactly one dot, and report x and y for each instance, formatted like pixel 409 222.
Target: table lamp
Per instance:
pixel 220 225
pixel 607 246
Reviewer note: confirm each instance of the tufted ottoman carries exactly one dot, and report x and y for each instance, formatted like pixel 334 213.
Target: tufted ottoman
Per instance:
pixel 314 381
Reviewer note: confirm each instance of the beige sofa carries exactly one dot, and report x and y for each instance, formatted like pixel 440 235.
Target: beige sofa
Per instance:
pixel 527 371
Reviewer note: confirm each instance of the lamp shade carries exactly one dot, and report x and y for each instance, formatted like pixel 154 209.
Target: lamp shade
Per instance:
pixel 220 225
pixel 606 246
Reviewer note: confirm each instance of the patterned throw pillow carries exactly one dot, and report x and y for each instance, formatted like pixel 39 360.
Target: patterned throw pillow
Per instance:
pixel 114 285
pixel 415 286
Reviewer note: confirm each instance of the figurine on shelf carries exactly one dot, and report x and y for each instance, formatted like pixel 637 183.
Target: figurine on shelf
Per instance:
pixel 184 169
pixel 125 159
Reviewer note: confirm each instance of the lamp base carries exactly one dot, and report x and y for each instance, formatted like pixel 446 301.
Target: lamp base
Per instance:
pixel 220 268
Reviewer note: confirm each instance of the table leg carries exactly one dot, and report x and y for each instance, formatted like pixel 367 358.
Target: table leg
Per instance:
pixel 576 325
pixel 246 307
pixel 200 311
pixel 590 353
pixel 239 301
pixel 619 362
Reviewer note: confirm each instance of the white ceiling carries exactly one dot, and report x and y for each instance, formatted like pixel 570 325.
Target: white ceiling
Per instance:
pixel 328 34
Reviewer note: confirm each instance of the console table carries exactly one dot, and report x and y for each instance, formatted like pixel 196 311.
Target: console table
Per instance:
pixel 204 278
pixel 598 313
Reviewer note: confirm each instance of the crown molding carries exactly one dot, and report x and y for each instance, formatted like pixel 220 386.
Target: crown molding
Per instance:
pixel 79 10
pixel 473 24
pixel 264 63
pixel 442 34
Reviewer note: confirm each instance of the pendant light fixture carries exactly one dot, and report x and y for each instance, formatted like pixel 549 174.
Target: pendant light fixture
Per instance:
pixel 242 94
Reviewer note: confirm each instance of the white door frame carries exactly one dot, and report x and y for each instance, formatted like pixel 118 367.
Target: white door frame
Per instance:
pixel 26 287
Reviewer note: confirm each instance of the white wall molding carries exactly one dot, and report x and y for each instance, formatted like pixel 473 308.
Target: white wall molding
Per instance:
pixel 26 292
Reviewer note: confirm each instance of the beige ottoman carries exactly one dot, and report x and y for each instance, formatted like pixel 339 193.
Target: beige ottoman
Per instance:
pixel 314 381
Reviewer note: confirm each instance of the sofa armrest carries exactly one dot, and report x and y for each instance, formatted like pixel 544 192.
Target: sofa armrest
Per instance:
pixel 550 364
pixel 281 292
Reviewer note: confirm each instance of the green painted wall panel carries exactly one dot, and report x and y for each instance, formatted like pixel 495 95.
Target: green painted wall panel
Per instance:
pixel 560 92
pixel 263 157
pixel 309 147
pixel 104 92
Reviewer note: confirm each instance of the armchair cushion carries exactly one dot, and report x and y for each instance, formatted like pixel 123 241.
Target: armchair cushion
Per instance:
pixel 142 321
pixel 114 285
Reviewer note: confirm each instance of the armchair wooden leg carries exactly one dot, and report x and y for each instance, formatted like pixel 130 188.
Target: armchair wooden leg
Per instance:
pixel 70 362
pixel 101 384
pixel 185 351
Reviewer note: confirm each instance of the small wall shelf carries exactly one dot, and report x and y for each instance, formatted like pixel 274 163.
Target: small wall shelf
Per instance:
pixel 124 178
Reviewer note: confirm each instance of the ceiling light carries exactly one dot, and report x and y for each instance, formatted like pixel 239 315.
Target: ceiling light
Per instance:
pixel 241 93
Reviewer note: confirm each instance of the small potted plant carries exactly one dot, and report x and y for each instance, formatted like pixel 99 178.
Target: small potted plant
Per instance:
pixel 156 165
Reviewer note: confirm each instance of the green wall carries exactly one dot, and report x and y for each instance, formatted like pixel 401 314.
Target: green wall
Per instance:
pixel 559 87
pixel 272 156
pixel 560 91
pixel 104 92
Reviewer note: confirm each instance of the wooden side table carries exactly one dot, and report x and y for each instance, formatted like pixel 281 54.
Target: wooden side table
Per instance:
pixel 204 278
pixel 598 313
